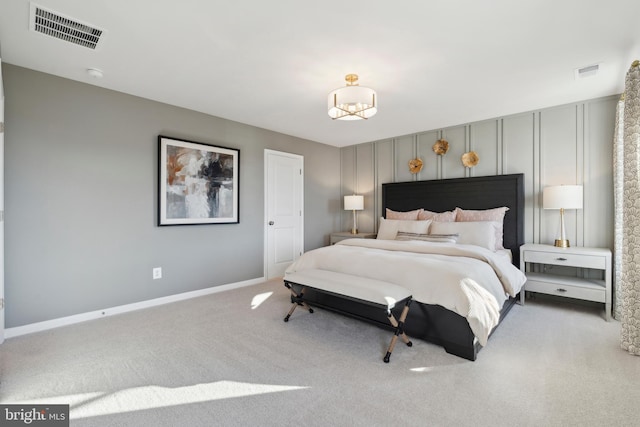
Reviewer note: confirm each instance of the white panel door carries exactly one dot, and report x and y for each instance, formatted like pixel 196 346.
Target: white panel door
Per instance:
pixel 284 233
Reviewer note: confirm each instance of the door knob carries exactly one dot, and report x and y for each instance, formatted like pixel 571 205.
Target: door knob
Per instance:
pixel 271 222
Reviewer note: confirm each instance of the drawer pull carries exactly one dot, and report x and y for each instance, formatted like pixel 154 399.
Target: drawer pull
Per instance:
pixel 561 290
pixel 561 259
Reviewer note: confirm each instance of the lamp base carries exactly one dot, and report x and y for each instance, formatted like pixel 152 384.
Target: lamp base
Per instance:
pixel 354 231
pixel 561 243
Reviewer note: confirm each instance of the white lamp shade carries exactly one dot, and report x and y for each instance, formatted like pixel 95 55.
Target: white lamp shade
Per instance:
pixel 562 197
pixel 352 103
pixel 353 203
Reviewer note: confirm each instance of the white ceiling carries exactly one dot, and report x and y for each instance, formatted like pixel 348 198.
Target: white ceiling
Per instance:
pixel 272 63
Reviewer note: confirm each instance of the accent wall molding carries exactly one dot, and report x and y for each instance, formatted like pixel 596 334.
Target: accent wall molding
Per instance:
pixel 569 143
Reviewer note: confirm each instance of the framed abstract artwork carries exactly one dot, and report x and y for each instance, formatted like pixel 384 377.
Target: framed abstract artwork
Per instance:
pixel 197 183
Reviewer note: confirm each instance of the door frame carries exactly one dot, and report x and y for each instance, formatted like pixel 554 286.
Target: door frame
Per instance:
pixel 2 300
pixel 267 153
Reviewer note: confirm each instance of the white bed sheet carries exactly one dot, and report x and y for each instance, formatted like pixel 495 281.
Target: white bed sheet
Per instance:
pixel 469 280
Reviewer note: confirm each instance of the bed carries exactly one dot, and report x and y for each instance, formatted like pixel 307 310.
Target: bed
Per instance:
pixel 428 318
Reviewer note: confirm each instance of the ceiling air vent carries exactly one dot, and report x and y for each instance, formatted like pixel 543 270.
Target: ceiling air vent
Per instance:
pixel 64 28
pixel 588 71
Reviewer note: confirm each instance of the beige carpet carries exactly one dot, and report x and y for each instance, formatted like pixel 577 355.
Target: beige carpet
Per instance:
pixel 228 359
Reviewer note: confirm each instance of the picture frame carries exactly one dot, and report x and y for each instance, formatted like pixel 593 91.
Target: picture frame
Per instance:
pixel 197 183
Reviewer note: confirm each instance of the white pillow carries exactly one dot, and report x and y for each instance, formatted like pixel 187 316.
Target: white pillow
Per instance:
pixel 495 214
pixel 481 234
pixel 389 228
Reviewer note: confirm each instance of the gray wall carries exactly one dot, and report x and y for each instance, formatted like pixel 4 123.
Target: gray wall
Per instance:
pixel 569 144
pixel 81 190
pixel 81 199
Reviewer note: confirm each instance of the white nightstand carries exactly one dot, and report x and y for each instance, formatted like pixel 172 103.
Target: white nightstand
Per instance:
pixel 336 237
pixel 566 286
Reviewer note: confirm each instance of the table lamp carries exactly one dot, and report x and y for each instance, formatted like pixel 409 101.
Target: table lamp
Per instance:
pixel 354 203
pixel 562 197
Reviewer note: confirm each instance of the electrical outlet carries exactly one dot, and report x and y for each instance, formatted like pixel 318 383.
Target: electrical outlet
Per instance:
pixel 157 273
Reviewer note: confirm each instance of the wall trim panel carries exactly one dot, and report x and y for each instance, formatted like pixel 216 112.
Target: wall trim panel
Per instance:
pixel 532 135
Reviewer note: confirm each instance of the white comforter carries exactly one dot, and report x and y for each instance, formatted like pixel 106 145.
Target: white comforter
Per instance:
pixel 469 280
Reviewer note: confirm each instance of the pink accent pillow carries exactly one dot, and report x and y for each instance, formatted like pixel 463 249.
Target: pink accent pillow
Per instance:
pixel 495 214
pixel 449 216
pixel 409 215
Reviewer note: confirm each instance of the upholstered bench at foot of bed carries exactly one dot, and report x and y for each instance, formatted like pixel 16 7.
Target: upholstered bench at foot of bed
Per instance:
pixel 369 291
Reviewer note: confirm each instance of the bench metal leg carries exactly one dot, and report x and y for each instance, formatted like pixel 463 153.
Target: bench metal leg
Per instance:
pixel 297 300
pixel 399 325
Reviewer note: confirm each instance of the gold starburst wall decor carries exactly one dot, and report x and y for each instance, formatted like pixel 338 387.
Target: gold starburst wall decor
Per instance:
pixel 415 165
pixel 470 159
pixel 441 147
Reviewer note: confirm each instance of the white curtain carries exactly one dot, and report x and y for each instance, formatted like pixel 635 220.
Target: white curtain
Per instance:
pixel 627 212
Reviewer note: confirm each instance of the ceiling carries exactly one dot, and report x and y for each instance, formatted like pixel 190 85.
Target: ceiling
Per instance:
pixel 272 64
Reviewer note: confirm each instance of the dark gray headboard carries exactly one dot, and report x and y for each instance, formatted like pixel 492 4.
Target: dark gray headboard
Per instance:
pixel 483 192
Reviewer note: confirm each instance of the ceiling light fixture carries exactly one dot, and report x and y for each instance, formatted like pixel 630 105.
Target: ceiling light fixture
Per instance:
pixel 352 102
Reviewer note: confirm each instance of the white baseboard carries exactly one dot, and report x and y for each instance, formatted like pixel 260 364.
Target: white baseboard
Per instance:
pixel 92 315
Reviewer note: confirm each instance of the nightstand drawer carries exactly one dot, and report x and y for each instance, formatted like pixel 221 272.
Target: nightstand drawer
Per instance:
pixel 570 287
pixel 568 259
